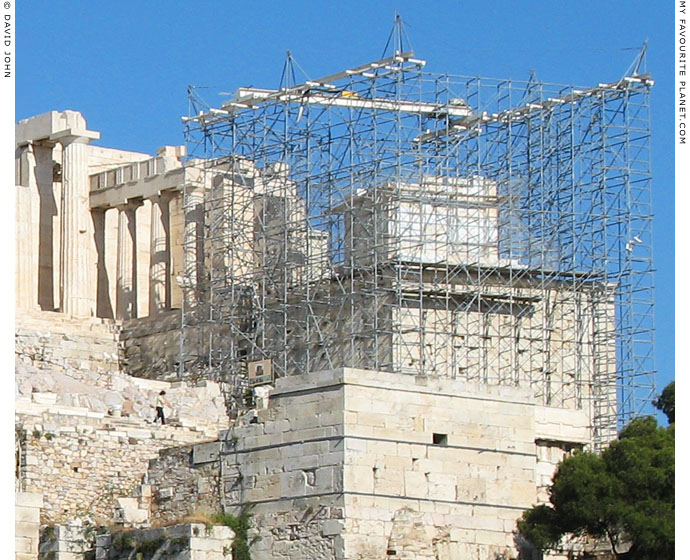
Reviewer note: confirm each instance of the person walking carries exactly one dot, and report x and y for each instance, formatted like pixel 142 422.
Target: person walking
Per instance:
pixel 160 401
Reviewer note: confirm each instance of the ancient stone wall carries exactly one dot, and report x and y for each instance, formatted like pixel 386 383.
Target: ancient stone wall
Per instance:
pixel 27 510
pixel 87 437
pixel 353 464
pixel 187 482
pixel 191 541
pixel 63 342
pixel 288 465
pixel 82 463
pixel 434 468
pixel 181 487
pixel 150 347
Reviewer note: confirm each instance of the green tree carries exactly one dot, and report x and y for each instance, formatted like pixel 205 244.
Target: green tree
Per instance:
pixel 624 495
pixel 666 402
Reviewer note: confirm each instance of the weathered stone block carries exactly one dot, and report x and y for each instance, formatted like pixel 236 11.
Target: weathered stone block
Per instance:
pixel 27 514
pixel 29 499
pixel 326 479
pixel 26 545
pixel 415 484
pixel 206 452
pixel 293 483
pixel 331 527
pixel 358 479
pixel 135 515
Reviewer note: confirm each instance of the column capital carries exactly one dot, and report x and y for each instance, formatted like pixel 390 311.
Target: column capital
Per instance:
pixel 130 204
pixel 164 195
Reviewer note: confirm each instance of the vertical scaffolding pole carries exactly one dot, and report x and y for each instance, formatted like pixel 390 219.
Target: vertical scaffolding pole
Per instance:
pixel 385 218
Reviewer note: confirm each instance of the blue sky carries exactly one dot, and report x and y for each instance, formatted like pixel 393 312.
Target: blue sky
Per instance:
pixel 126 65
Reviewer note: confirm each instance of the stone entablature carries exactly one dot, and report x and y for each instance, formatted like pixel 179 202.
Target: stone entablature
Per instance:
pixel 133 172
pixel 140 180
pixel 47 188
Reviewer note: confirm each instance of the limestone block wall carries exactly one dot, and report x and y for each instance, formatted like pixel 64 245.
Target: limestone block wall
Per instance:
pixel 151 345
pixel 288 465
pixel 355 464
pixel 27 511
pixel 433 467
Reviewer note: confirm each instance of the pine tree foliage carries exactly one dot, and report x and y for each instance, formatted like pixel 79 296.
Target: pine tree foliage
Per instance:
pixel 624 495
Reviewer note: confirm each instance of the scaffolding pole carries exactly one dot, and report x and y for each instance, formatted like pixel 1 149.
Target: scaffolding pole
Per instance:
pixel 391 219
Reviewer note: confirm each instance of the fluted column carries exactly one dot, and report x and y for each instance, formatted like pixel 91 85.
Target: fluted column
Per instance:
pixel 193 246
pixel 126 304
pixel 143 255
pixel 78 270
pixel 26 236
pixel 104 306
pixel 49 226
pixel 177 252
pixel 159 272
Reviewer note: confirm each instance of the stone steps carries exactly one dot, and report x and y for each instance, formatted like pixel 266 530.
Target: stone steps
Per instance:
pixel 64 341
pixel 184 431
pixel 60 323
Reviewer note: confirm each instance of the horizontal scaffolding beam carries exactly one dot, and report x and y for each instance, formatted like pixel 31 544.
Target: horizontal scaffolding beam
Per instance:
pixel 528 110
pixel 348 99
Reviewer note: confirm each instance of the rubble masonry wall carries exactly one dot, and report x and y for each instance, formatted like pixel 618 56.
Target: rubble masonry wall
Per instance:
pixel 82 464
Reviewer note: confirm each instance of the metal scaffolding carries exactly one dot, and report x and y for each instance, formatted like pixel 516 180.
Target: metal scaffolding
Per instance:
pixel 386 218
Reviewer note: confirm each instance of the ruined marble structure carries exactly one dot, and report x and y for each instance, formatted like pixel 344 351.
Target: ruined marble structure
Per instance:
pixel 95 224
pixel 381 360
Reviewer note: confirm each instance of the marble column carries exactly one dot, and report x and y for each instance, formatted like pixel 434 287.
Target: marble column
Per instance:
pixel 104 307
pixel 159 271
pixel 48 224
pixel 193 244
pixel 143 255
pixel 26 236
pixel 126 305
pixel 112 219
pixel 177 251
pixel 78 271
